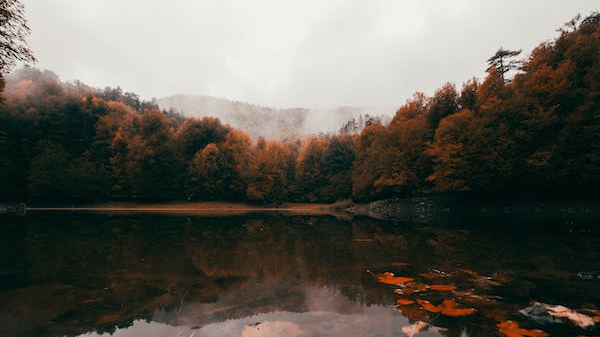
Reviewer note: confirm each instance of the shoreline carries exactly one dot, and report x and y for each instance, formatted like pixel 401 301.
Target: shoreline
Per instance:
pixel 194 208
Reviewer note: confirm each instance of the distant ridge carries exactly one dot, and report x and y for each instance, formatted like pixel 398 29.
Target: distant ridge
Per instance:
pixel 266 121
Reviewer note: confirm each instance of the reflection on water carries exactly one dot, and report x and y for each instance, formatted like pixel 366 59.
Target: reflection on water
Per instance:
pixel 328 313
pixel 92 274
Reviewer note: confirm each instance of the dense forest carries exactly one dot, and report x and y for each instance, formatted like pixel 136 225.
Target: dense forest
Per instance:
pixel 536 130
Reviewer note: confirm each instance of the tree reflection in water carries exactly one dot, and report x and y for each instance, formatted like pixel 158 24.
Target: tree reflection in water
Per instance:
pixel 71 274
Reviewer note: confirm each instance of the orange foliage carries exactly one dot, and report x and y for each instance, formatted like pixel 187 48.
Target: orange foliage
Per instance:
pixel 447 308
pixel 511 329
pixel 442 287
pixel 414 312
pixel 390 278
pixel 412 287
pixel 429 306
pixel 403 301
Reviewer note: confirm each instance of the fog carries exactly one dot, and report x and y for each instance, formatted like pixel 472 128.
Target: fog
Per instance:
pixel 304 54
pixel 272 122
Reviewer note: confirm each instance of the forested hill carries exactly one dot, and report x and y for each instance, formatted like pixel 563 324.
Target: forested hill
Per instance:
pixel 538 130
pixel 268 122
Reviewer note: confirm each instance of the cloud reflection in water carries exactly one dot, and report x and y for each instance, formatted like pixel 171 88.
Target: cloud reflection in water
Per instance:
pixel 326 312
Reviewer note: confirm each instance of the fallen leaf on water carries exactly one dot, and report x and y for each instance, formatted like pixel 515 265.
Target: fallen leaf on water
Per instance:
pixel 414 312
pixel 429 306
pixel 414 329
pixel 511 329
pixel 546 313
pixel 576 318
pixel 404 301
pixel 447 308
pixel 442 287
pixel 390 278
pixel 414 287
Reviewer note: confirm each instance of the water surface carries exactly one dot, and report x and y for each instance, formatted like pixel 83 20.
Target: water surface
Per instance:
pixel 94 274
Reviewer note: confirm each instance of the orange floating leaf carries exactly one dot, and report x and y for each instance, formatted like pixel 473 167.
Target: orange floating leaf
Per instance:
pixel 414 312
pixel 442 287
pixel 449 308
pixel 404 301
pixel 414 287
pixel 511 329
pixel 429 306
pixel 390 278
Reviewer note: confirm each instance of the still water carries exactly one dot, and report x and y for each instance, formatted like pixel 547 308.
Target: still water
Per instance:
pixel 93 274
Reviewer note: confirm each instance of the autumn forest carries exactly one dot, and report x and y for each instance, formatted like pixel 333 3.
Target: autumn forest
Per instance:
pixel 529 126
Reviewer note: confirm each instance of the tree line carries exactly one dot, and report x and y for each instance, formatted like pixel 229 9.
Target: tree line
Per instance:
pixel 537 131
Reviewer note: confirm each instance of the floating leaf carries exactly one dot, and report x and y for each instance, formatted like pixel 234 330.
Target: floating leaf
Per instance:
pixel 404 301
pixel 390 278
pixel 447 308
pixel 545 313
pixel 442 287
pixel 511 329
pixel 414 287
pixel 576 318
pixel 414 329
pixel 414 312
pixel 429 306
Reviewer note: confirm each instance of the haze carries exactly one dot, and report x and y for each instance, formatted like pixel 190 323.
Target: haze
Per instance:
pixel 284 54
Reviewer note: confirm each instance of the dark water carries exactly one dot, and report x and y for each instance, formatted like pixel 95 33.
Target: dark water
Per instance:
pixel 72 274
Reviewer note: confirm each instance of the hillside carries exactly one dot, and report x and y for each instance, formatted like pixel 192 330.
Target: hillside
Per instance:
pixel 269 122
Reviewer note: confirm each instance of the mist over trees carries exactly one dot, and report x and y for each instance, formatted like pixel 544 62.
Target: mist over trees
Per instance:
pixel 538 132
pixel 282 124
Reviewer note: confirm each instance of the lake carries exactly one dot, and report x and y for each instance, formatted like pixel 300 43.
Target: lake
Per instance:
pixel 65 273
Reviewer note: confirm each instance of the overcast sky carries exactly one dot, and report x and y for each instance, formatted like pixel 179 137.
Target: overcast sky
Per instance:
pixel 303 53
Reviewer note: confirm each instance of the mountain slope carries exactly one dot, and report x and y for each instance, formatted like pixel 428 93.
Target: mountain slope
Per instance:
pixel 265 121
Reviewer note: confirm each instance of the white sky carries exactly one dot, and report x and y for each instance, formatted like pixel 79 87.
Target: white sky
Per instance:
pixel 283 53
